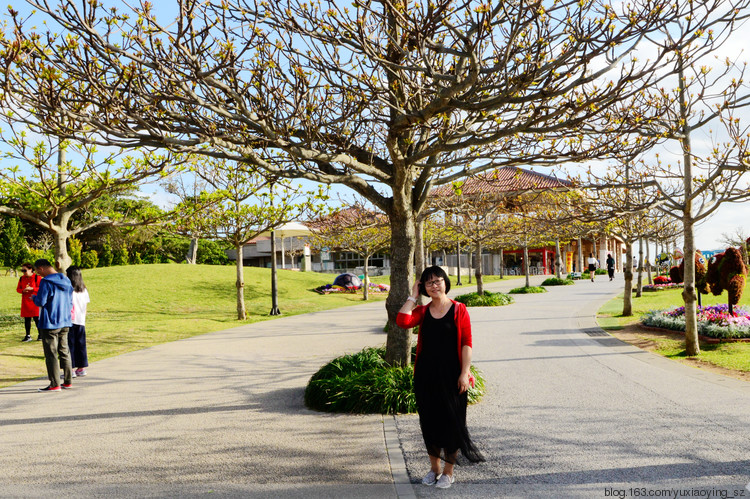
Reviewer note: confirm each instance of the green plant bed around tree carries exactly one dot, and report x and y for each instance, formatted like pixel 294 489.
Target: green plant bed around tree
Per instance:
pixel 362 383
pixel 556 281
pixel 527 289
pixel 488 299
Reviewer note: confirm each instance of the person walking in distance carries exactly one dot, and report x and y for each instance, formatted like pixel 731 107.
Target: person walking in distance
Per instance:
pixel 442 373
pixel 610 266
pixel 55 301
pixel 28 284
pixel 592 263
pixel 77 334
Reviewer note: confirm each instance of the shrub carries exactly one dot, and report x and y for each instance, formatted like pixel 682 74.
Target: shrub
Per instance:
pixel 76 247
pixel 662 279
pixel 363 383
pixel 556 281
pixel 120 255
pixel 89 259
pixel 488 299
pixel 528 289
pixel 136 258
pixel 35 254
pixel 106 257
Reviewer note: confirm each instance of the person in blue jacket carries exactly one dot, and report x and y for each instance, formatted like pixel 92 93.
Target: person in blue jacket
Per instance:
pixel 55 301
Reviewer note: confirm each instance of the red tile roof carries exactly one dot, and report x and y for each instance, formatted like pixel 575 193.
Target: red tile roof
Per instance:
pixel 506 179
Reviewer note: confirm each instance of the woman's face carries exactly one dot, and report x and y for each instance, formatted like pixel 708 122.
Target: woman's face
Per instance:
pixel 26 271
pixel 435 286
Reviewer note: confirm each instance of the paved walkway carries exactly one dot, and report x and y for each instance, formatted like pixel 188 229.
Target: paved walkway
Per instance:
pixel 222 414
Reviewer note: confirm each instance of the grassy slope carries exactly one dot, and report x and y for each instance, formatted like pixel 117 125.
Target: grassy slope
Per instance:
pixel 138 306
pixel 729 355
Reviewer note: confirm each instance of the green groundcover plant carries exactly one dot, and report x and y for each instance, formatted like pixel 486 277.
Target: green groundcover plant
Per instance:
pixel 556 281
pixel 714 321
pixel 488 299
pixel 363 383
pixel 527 289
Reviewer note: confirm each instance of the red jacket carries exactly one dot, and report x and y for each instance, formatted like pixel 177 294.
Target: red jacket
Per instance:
pixel 28 308
pixel 460 316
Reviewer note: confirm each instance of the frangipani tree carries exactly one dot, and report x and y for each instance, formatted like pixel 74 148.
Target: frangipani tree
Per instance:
pixel 240 205
pixel 40 185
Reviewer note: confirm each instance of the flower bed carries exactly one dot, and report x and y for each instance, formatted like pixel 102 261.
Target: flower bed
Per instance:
pixel 714 321
pixel 661 287
pixel 331 288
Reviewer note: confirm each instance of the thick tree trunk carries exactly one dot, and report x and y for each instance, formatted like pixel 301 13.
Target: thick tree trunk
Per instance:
pixel 469 261
pixel 62 258
pixel 639 287
pixel 558 259
pixel 478 271
pixel 580 255
pixel 627 302
pixel 398 343
pixel 192 254
pixel 240 284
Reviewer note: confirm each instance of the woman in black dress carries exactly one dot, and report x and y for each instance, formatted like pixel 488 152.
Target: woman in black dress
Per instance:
pixel 441 373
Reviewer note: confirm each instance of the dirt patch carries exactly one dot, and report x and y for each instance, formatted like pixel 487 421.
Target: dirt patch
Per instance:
pixel 645 339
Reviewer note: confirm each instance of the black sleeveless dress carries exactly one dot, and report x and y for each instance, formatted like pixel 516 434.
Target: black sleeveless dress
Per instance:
pixel 442 410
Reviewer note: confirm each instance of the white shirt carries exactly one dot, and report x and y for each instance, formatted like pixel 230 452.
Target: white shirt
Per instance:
pixel 79 307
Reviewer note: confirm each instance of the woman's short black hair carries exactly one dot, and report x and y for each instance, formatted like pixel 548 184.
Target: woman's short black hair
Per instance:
pixel 434 271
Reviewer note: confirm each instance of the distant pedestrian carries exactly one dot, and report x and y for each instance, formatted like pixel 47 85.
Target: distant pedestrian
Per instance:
pixel 77 334
pixel 442 373
pixel 55 301
pixel 592 263
pixel 28 284
pixel 610 266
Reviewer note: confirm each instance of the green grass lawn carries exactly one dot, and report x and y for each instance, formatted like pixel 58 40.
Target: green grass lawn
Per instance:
pixel 735 356
pixel 138 306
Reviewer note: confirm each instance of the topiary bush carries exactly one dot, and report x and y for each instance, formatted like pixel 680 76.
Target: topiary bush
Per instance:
pixel 363 383
pixel 556 281
pixel 527 289
pixel 488 299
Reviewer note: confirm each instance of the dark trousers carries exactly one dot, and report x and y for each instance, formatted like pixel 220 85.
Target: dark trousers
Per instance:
pixel 27 324
pixel 77 344
pixel 56 354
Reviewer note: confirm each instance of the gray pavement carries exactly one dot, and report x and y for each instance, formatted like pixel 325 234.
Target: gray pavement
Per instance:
pixel 566 415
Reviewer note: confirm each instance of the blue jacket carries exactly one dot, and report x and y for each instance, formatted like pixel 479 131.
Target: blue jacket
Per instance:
pixel 55 302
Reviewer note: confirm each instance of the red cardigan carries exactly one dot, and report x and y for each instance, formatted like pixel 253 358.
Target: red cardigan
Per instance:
pixel 460 316
pixel 28 308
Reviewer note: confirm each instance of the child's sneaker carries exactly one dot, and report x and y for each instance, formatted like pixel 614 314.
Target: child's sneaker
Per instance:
pixel 81 372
